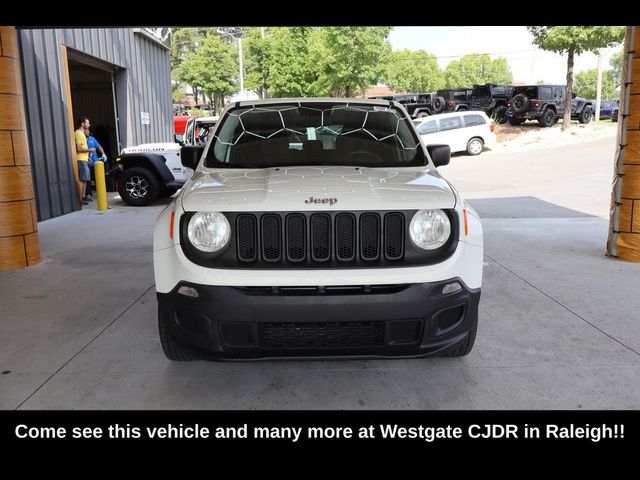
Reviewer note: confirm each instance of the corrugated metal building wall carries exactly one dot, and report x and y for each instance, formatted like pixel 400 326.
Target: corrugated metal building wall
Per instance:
pixel 142 73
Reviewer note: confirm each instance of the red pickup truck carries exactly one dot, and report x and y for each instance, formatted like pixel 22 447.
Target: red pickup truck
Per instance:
pixel 180 123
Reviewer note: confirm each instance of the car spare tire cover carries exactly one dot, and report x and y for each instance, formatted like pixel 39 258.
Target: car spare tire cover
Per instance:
pixel 520 103
pixel 438 104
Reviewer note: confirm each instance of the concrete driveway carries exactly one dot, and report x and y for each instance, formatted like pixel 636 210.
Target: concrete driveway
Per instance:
pixel 559 322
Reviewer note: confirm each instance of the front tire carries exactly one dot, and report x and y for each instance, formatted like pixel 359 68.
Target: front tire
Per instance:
pixel 465 346
pixel 138 186
pixel 172 350
pixel 475 146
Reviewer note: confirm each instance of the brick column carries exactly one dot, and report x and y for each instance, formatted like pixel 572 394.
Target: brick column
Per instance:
pixel 19 244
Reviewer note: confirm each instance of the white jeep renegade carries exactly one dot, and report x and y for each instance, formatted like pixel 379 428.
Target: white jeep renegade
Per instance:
pixel 312 228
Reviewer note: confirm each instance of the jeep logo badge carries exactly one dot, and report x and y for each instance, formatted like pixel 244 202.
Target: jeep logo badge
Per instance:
pixel 330 201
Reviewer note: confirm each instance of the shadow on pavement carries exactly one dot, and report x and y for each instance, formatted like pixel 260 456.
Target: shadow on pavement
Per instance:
pixel 522 207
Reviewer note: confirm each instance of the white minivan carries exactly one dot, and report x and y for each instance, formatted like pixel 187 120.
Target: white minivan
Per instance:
pixel 468 131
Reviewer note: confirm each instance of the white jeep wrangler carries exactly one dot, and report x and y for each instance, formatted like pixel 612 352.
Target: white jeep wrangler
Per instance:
pixel 151 170
pixel 312 228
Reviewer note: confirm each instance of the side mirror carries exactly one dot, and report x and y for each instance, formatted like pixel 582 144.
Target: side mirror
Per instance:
pixel 574 94
pixel 440 154
pixel 190 155
pixel 179 139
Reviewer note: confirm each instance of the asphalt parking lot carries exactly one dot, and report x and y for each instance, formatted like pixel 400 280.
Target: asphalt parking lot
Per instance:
pixel 559 321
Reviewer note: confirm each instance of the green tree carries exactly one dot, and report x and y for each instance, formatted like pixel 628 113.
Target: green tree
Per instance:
pixel 186 73
pixel 177 93
pixel 212 66
pixel 184 41
pixel 353 58
pixel 292 67
pixel 476 68
pixel 257 50
pixel 616 65
pixel 413 71
pixel 574 40
pixel 586 84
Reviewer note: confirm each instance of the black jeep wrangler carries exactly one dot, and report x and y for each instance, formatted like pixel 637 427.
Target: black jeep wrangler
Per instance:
pixel 546 104
pixel 452 100
pixel 417 105
pixel 492 99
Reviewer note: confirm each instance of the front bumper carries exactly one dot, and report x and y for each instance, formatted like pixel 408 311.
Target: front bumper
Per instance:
pixel 406 320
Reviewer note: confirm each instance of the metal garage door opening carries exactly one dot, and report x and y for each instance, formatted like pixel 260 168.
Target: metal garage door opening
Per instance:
pixel 93 94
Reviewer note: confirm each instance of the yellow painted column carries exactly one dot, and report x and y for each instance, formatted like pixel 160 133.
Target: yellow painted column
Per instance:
pixel 19 244
pixel 624 224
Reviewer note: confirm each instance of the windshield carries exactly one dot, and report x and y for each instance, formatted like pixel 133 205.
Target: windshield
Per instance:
pixel 315 134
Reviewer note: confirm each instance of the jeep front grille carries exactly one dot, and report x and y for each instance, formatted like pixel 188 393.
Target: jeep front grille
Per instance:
pixel 306 239
pixel 247 238
pixel 345 237
pixel 342 237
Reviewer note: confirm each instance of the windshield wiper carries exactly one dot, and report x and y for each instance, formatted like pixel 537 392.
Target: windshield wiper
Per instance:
pixel 231 165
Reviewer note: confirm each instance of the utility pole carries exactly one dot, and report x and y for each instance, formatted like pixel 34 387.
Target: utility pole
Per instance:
pixel 599 88
pixel 240 59
pixel 533 63
pixel 236 32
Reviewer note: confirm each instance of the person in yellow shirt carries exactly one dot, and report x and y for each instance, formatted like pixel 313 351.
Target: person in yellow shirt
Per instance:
pixel 82 155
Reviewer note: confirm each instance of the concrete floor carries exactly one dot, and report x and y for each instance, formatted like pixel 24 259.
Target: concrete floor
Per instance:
pixel 559 322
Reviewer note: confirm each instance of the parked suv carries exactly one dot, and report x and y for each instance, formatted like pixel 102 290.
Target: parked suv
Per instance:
pixel 148 171
pixel 545 103
pixel 205 107
pixel 452 100
pixel 606 108
pixel 462 131
pixel 179 109
pixel 418 105
pixel 614 114
pixel 317 227
pixel 492 99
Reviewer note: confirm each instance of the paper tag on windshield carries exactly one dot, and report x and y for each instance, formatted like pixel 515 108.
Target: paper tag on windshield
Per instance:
pixel 311 133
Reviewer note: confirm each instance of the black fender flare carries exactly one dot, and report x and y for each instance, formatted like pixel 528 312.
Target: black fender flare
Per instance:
pixel 420 110
pixel 582 105
pixel 155 161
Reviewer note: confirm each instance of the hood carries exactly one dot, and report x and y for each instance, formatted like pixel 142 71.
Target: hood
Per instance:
pixel 153 148
pixel 316 188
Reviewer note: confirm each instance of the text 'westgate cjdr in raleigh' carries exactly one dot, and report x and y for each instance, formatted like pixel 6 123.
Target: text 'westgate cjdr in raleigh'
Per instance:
pixel 594 433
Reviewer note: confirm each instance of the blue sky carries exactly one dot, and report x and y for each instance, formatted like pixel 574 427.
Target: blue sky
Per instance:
pixel 528 63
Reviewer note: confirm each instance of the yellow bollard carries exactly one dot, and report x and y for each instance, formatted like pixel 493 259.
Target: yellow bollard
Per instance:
pixel 101 185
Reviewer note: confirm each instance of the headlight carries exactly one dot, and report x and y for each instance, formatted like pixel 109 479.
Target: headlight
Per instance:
pixel 430 229
pixel 209 231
